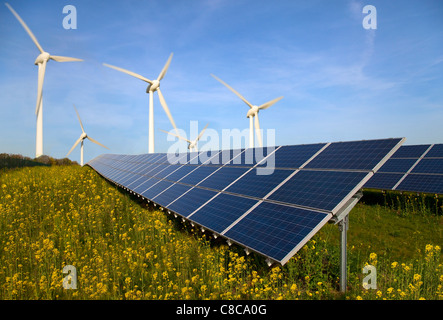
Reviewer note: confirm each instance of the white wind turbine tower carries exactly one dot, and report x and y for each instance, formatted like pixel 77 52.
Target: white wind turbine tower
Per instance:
pixel 41 61
pixel 154 85
pixel 82 138
pixel 252 113
pixel 192 145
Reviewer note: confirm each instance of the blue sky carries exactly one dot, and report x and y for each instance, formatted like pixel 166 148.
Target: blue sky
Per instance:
pixel 339 81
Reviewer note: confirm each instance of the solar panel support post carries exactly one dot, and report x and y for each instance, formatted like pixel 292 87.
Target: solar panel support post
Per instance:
pixel 341 218
pixel 343 226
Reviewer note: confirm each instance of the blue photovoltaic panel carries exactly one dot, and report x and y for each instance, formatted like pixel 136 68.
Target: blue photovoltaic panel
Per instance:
pixel 435 152
pixel 397 165
pixel 318 189
pixel 156 188
pixel 204 157
pixel 191 201
pixel 385 181
pixel 357 155
pixel 221 178
pixel 295 156
pixel 271 200
pixel 143 184
pixel 136 182
pixel 239 157
pixel 181 172
pixel 255 185
pixel 275 230
pixel 422 183
pixel 429 166
pixel 408 161
pixel 229 157
pixel 411 151
pixel 218 214
pixel 166 171
pixel 170 194
pixel 198 175
pixel 130 178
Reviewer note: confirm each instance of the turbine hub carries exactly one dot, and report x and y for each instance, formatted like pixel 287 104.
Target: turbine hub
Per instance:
pixel 154 86
pixel 44 56
pixel 83 136
pixel 252 112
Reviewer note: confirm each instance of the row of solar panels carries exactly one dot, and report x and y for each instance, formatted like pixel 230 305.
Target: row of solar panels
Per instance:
pixel 416 168
pixel 269 200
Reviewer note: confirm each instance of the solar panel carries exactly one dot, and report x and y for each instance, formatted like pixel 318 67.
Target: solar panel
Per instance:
pixel 415 168
pixel 422 183
pixel 318 189
pixel 277 231
pixel 269 200
pixel 222 211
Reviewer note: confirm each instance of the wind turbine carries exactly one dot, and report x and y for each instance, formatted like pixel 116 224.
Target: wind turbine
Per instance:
pixel 82 138
pixel 192 145
pixel 41 61
pixel 154 85
pixel 252 113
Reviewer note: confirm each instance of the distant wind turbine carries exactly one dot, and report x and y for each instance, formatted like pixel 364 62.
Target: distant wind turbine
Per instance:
pixel 154 85
pixel 41 61
pixel 82 138
pixel 192 145
pixel 252 113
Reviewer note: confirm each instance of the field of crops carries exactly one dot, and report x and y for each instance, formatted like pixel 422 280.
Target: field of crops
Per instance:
pixel 51 217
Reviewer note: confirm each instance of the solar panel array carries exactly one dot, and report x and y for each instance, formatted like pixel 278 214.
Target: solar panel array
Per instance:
pixel 268 200
pixel 415 168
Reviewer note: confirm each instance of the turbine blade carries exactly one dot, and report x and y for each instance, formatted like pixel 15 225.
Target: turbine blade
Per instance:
pixel 266 105
pixel 201 133
pixel 128 72
pixel 79 120
pixel 75 144
pixel 165 68
pixel 257 130
pixel 96 142
pixel 176 135
pixel 233 90
pixel 165 107
pixel 63 59
pixel 34 39
pixel 41 78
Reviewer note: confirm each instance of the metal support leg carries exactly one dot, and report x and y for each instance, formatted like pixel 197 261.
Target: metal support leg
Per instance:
pixel 343 226
pixel 341 218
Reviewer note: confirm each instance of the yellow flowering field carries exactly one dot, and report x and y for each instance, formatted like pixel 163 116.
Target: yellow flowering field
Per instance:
pixel 52 217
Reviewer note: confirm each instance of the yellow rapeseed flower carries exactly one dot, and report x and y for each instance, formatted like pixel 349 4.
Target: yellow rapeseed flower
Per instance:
pixel 417 277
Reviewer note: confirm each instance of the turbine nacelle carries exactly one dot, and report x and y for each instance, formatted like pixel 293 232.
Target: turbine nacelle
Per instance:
pixel 42 57
pixel 252 112
pixel 83 136
pixel 153 86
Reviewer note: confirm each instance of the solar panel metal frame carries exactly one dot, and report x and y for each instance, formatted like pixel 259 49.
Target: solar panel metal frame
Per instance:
pixel 124 171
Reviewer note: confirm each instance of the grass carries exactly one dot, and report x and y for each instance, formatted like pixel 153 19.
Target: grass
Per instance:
pixel 51 217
